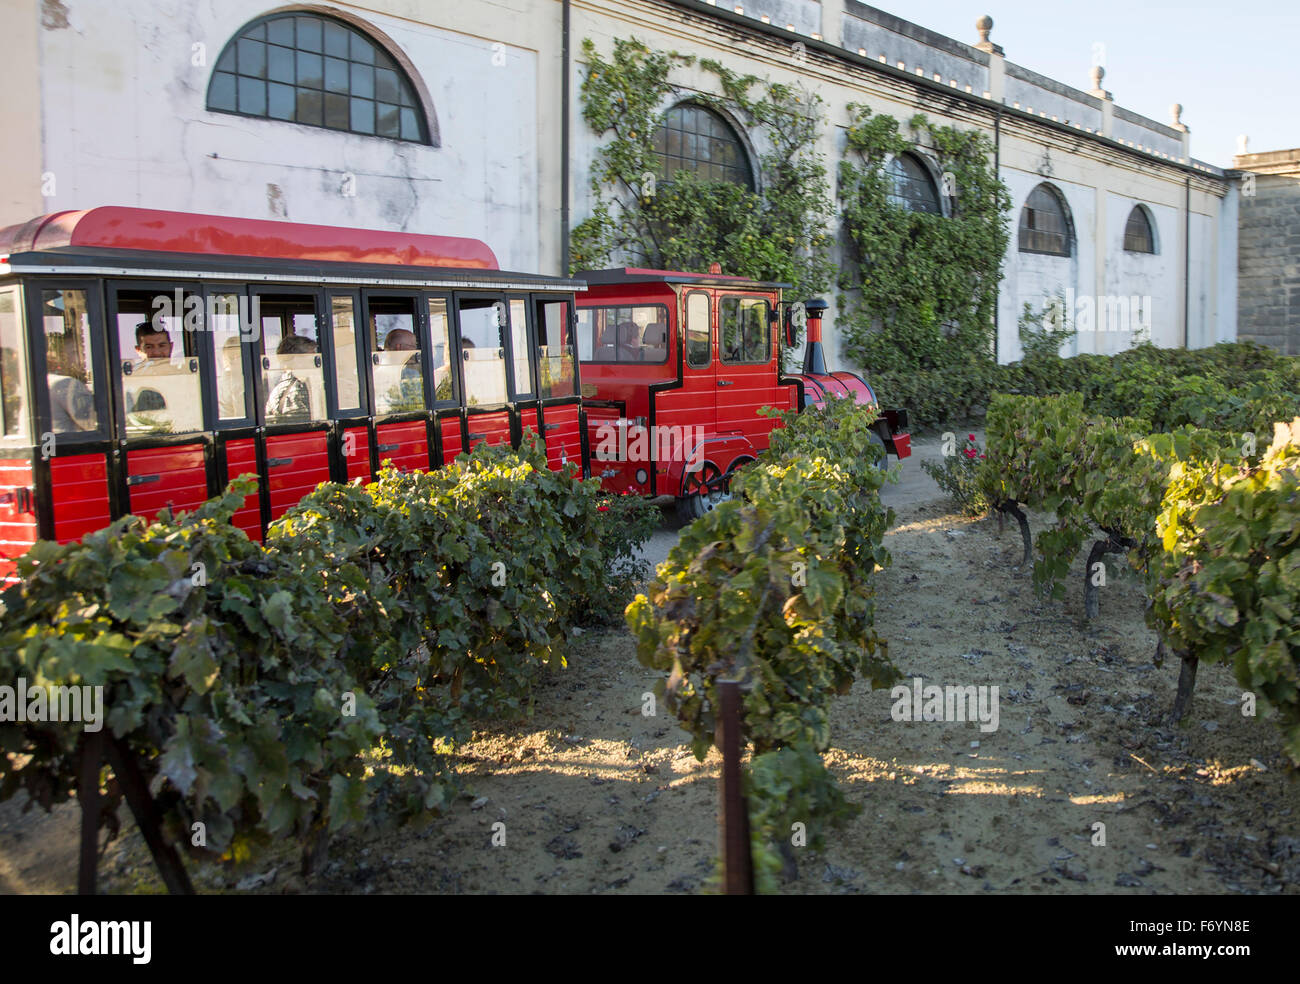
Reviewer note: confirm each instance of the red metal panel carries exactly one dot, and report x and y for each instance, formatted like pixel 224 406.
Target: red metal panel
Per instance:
pixel 17 525
pixel 119 227
pixel 296 464
pixel 356 453
pixel 181 482
pixel 492 428
pixel 452 445
pixel 80 495
pixel 406 445
pixel 241 459
pixel 563 436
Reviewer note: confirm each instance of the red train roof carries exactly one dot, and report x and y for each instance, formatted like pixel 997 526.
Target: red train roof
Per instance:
pixel 116 227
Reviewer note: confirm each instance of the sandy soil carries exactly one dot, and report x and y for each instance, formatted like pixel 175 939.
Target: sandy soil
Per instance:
pixel 595 797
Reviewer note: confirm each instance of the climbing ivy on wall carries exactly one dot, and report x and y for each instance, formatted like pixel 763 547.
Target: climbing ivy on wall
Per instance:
pixel 778 232
pixel 920 289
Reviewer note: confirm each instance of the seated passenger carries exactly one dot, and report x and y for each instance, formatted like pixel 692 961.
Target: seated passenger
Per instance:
pixel 288 401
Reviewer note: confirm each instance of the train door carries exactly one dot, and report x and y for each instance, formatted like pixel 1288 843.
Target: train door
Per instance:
pixel 746 370
pixel 73 463
pixel 233 333
pixel 699 367
pixel 155 337
pixel 395 336
pixel 559 408
pixel 291 392
pixel 523 374
pixel 483 322
pixel 351 437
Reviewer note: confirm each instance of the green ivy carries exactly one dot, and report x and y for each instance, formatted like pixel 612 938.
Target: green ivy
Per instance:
pixel 920 290
pixel 777 233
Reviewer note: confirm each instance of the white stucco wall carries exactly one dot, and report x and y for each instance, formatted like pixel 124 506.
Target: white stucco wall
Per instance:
pixel 125 122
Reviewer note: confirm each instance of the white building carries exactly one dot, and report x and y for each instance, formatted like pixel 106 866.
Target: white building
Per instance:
pixel 435 116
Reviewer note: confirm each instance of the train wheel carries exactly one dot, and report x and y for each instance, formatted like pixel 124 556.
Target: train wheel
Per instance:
pixel 698 499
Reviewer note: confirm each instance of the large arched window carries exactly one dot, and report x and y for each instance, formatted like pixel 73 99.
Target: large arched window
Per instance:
pixel 693 138
pixel 319 71
pixel 1139 236
pixel 910 185
pixel 1044 223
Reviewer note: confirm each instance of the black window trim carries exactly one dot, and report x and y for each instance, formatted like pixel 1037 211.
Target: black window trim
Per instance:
pixel 1140 209
pixel 624 362
pixel 767 326
pixel 1067 232
pixel 686 327
pixel 427 125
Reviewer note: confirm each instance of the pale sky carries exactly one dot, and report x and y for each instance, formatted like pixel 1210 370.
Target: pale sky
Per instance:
pixel 1234 67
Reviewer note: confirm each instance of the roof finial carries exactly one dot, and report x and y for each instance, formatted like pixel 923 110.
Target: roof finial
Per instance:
pixel 984 25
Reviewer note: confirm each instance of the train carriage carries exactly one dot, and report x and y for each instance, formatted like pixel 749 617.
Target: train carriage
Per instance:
pixel 146 357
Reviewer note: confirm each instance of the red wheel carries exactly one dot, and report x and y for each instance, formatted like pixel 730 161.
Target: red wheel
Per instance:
pixel 703 490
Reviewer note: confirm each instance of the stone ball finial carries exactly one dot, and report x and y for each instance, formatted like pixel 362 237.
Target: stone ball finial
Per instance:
pixel 1176 111
pixel 1243 144
pixel 1098 73
pixel 984 25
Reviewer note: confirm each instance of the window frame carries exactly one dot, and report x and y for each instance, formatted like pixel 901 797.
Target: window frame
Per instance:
pixel 203 352
pixel 459 298
pixel 25 436
pixel 421 335
pixel 260 353
pixel 423 122
pixel 662 306
pixel 1148 223
pixel 745 166
pixel 538 302
pixel 1067 226
pixel 767 327
pixel 686 328
pixel 98 358
pixel 211 395
pixel 908 204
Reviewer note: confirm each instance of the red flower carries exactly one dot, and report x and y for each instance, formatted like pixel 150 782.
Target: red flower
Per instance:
pixel 970 437
pixel 602 509
pixel 983 456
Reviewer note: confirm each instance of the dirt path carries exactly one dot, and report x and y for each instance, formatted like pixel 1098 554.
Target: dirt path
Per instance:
pixel 595 797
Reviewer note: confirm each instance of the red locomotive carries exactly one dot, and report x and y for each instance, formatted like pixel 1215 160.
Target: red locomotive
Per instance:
pixel 675 367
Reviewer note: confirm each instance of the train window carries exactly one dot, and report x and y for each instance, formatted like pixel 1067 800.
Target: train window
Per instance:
pixel 347 382
pixel 519 349
pixel 229 323
pixel 483 359
pixel 555 350
pixel 744 330
pixel 291 364
pixel 440 329
pixel 157 336
pixel 697 329
pixel 395 355
pixel 71 379
pixel 15 408
pixel 624 334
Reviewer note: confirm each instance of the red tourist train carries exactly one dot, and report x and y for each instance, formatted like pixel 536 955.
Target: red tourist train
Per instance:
pixel 675 367
pixel 147 357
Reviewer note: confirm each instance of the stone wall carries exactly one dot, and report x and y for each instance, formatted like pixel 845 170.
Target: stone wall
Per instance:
pixel 1268 249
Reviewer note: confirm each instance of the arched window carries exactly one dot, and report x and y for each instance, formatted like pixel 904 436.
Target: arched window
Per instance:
pixel 1044 225
pixel 693 138
pixel 911 186
pixel 1139 237
pixel 318 71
